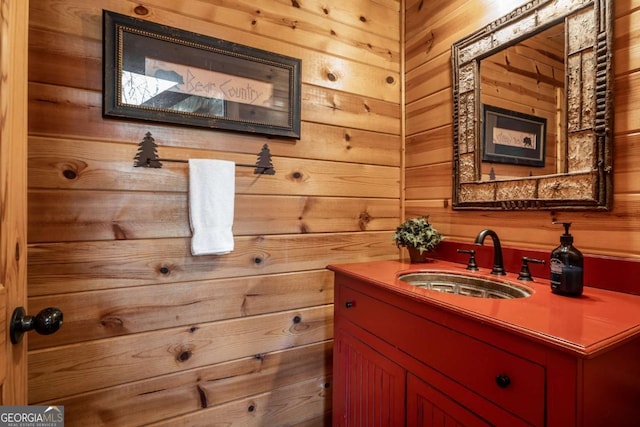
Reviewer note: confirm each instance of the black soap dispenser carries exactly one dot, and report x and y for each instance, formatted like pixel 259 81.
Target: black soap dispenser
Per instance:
pixel 566 266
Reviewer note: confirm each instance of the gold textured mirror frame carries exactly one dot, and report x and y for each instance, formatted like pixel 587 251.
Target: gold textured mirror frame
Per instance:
pixel 587 182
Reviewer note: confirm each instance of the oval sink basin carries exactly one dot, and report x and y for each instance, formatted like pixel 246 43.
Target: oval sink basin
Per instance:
pixel 461 284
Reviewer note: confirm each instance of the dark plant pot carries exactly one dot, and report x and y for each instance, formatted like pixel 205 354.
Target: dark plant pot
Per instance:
pixel 419 258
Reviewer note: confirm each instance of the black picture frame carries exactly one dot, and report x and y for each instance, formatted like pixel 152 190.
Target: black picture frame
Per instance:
pixel 513 137
pixel 165 74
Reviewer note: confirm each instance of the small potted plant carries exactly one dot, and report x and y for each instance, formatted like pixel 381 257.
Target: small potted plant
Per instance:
pixel 418 236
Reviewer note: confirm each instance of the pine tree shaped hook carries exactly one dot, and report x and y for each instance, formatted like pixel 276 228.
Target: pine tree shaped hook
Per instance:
pixel 264 165
pixel 147 155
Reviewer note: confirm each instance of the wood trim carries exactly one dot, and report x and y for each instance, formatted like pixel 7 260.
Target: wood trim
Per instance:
pixel 13 193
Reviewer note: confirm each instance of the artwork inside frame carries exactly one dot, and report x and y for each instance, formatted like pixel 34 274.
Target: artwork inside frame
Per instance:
pixel 513 137
pixel 164 74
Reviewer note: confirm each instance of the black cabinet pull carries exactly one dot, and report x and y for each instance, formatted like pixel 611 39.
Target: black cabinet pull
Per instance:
pixel 503 380
pixel 349 304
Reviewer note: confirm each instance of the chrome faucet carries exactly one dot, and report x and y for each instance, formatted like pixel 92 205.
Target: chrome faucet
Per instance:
pixel 498 264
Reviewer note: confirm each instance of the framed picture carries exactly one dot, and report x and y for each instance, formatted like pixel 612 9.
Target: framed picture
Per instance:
pixel 512 137
pixel 154 72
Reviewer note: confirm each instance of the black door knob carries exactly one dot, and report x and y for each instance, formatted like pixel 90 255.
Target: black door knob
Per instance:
pixel 46 322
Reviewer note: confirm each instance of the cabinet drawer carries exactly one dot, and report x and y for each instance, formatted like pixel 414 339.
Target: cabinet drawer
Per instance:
pixel 514 383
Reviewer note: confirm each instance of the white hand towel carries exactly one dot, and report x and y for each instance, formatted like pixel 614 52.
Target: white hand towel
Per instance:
pixel 211 205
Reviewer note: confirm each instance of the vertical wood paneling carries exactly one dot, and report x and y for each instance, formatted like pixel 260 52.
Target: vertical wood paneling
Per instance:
pixel 153 334
pixel 607 233
pixel 13 201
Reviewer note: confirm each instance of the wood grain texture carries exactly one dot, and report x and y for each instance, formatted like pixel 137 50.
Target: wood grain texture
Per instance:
pixel 114 312
pixel 296 404
pixel 193 390
pixel 13 200
pixel 438 24
pixel 124 263
pixel 75 165
pixel 83 215
pixel 335 197
pixel 318 142
pixel 279 27
pixel 55 105
pixel 604 233
pixel 153 334
pixel 336 73
pixel 170 350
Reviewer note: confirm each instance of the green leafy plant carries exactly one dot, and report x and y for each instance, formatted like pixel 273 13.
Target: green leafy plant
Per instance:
pixel 417 233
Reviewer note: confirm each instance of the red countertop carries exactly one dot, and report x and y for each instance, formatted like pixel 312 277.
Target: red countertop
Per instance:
pixel 584 326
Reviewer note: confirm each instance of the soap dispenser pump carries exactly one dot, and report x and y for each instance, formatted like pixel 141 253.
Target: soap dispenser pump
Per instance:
pixel 566 266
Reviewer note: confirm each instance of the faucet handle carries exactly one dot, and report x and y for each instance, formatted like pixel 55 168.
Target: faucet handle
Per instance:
pixel 472 264
pixel 524 271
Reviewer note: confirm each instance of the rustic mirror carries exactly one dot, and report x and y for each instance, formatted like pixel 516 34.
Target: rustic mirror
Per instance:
pixel 532 117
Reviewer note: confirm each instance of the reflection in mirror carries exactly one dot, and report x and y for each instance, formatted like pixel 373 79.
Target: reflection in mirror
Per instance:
pixel 532 109
pixel 526 81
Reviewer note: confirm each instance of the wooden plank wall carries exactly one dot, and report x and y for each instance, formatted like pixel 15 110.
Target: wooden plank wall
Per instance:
pixel 151 333
pixel 431 28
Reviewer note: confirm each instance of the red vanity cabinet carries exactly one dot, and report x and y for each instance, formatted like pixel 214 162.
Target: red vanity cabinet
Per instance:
pixel 403 361
pixel 372 387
